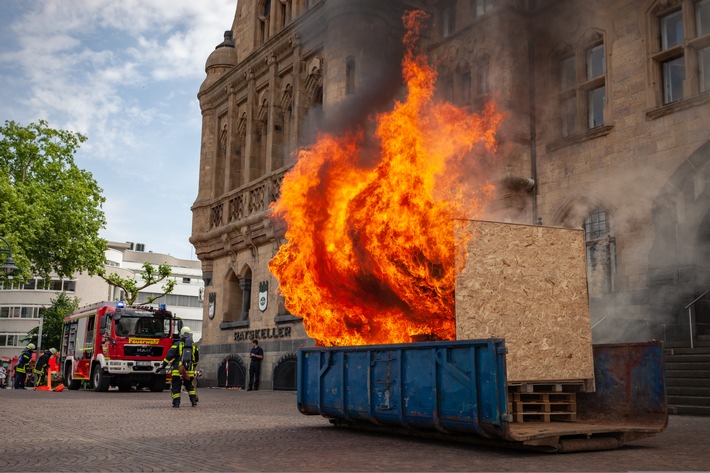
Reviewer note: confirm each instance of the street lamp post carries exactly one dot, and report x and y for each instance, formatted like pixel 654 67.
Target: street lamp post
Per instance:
pixel 9 266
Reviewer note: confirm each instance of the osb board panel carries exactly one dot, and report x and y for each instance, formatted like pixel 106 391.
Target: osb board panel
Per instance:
pixel 528 285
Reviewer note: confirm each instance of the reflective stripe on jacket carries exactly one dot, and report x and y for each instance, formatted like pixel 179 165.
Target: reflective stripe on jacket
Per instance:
pixel 25 358
pixel 174 358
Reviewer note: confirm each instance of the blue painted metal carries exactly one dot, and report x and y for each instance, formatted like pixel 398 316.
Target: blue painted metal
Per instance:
pixel 458 390
pixel 630 385
pixel 453 386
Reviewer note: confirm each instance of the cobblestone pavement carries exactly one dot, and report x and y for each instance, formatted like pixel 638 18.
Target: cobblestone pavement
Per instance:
pixel 234 430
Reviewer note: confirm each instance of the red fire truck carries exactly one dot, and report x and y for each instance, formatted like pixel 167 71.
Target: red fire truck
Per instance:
pixel 111 344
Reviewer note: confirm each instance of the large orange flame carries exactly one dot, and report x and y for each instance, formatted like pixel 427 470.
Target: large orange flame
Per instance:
pixel 370 252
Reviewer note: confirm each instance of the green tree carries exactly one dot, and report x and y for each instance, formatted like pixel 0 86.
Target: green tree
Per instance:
pixel 52 322
pixel 50 209
pixel 151 275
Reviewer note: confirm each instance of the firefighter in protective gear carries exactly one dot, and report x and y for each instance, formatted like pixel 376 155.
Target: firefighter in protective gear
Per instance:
pixel 21 368
pixel 42 366
pixel 181 358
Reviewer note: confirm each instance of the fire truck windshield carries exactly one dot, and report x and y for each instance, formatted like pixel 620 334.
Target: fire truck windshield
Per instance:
pixel 142 324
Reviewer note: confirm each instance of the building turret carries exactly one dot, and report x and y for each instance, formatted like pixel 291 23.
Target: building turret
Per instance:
pixel 222 59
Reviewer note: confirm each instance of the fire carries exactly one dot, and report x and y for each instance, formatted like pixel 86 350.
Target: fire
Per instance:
pixel 370 256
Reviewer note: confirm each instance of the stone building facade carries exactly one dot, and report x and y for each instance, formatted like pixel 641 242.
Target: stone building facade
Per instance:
pixel 607 128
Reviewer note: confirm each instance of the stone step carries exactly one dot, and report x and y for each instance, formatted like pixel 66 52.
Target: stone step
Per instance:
pixel 686 344
pixel 689 358
pixel 688 390
pixel 682 366
pixel 688 401
pixel 690 382
pixel 689 373
pixel 686 350
pixel 689 410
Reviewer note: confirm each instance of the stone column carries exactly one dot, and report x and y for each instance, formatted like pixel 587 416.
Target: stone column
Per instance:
pixel 231 175
pixel 296 112
pixel 250 146
pixel 273 107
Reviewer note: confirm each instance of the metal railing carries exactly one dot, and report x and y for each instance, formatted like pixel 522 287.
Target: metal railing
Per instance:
pixel 690 315
pixel 676 332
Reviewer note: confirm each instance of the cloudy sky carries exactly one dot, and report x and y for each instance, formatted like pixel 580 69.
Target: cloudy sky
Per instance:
pixel 126 74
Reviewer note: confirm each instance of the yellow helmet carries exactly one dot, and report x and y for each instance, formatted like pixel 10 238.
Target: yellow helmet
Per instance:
pixel 185 330
pixel 53 351
pixel 31 346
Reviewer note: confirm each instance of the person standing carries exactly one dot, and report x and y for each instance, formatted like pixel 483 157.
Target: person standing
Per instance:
pixel 21 367
pixel 194 374
pixel 41 367
pixel 256 354
pixel 181 359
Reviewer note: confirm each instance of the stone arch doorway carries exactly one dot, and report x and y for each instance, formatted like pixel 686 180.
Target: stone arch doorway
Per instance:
pixel 286 373
pixel 231 373
pixel 679 260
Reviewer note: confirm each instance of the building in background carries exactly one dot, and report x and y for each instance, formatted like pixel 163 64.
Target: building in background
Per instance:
pixel 607 129
pixel 285 70
pixel 21 307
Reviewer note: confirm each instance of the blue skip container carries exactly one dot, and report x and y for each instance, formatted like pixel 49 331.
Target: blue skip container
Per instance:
pixel 458 390
pixel 454 386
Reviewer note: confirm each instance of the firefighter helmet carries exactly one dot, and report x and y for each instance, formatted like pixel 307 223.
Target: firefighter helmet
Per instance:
pixel 53 351
pixel 31 346
pixel 185 330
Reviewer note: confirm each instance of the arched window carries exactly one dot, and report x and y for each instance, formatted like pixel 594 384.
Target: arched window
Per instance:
pixel 282 135
pixel 285 373
pixel 236 169
pixel 285 13
pixel 221 158
pixel 231 373
pixel 264 20
pixel 314 108
pixel 258 164
pixel 447 14
pixel 601 252
pixel 245 286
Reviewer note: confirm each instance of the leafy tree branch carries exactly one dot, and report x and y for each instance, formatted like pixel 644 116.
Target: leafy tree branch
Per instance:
pixel 150 276
pixel 50 209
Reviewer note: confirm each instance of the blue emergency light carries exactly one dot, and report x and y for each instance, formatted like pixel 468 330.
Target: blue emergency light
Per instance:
pixel 161 307
pixel 120 305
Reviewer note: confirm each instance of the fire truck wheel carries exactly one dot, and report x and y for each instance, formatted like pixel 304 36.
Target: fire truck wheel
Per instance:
pixel 158 384
pixel 99 380
pixel 70 381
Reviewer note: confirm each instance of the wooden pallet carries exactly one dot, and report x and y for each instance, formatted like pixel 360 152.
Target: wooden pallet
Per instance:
pixel 543 406
pixel 575 386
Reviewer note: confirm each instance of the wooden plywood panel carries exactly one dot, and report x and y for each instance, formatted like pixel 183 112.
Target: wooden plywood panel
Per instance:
pixel 527 284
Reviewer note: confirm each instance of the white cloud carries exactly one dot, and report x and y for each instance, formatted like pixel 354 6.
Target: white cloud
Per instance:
pixel 125 73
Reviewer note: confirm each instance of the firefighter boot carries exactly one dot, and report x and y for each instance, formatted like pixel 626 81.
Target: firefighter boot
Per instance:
pixel 193 400
pixel 176 403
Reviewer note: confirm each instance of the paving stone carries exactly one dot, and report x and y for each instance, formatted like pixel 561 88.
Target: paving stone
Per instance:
pixel 234 430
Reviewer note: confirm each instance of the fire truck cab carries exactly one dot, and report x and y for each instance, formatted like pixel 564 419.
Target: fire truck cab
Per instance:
pixel 110 344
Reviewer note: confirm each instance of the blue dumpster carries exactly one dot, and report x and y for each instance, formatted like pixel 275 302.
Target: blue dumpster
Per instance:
pixel 443 386
pixel 458 390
